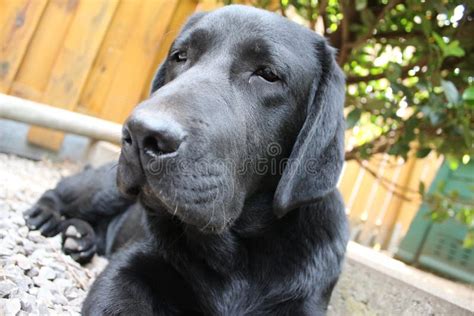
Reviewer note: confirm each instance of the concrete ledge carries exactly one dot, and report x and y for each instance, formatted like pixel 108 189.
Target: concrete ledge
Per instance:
pixel 101 152
pixel 375 284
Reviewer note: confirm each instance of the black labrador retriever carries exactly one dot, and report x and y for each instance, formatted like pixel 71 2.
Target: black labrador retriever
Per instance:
pixel 227 179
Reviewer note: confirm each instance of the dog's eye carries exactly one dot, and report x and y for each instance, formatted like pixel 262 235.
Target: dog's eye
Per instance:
pixel 267 74
pixel 179 56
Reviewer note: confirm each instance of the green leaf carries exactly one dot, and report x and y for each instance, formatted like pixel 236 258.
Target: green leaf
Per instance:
pixel 423 152
pixel 399 149
pixel 441 185
pixel 426 26
pixel 421 188
pixel 393 72
pixel 453 49
pixel 439 40
pixel 450 91
pixel 353 117
pixel 469 240
pixel 453 163
pixel 468 95
pixel 361 4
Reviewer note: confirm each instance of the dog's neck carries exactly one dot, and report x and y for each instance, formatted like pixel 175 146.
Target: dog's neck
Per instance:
pixel 222 252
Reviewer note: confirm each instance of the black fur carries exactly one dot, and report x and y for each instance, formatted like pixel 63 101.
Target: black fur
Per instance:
pixel 244 218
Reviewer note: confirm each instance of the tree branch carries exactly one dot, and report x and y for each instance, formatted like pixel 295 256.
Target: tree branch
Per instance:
pixel 372 28
pixel 312 21
pixel 379 145
pixel 398 34
pixel 383 182
pixel 341 59
pixel 282 9
pixel 323 4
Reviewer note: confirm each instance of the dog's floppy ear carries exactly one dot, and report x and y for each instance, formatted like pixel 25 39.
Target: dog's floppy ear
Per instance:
pixel 159 79
pixel 317 157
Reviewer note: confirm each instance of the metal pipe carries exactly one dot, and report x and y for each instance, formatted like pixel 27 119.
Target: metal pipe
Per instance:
pixel 34 113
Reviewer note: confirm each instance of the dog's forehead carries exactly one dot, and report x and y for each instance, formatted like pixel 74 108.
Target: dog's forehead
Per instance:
pixel 239 25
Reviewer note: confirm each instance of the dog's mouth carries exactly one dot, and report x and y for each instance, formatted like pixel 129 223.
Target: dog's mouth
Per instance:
pixel 206 205
pixel 200 193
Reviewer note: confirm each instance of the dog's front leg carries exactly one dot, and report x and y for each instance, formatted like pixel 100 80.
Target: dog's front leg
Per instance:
pixel 80 203
pixel 138 282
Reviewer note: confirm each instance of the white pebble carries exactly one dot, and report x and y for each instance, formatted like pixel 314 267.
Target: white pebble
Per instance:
pixel 23 262
pixel 10 306
pixel 47 273
pixel 7 287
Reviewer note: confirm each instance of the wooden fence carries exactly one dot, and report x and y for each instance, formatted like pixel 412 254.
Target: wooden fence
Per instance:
pixel 381 197
pixel 92 56
pixel 98 57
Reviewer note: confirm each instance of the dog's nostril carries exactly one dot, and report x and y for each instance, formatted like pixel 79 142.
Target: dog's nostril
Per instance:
pixel 126 137
pixel 153 134
pixel 159 145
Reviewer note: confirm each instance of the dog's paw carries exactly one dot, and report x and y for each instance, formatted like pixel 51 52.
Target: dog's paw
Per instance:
pixel 44 218
pixel 79 240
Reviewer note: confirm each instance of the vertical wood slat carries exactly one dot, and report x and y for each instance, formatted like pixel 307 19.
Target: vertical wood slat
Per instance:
pixel 348 179
pixel 18 20
pixel 359 204
pixel 73 63
pixel 208 5
pixel 110 55
pixel 183 10
pixel 424 170
pixel 385 220
pixel 142 46
pixel 112 51
pixel 375 200
pixel 33 75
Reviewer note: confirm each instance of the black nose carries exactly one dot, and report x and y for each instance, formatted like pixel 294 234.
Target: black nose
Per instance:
pixel 152 135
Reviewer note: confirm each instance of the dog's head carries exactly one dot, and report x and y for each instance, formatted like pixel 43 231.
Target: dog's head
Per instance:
pixel 246 102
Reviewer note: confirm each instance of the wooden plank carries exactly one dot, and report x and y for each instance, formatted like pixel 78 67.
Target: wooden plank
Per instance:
pixel 424 170
pixel 184 9
pixel 406 209
pixel 110 55
pixel 142 46
pixel 387 218
pixel 383 166
pixel 348 178
pixel 73 63
pixel 358 205
pixel 33 75
pixel 18 21
pixel 208 5
pixel 375 198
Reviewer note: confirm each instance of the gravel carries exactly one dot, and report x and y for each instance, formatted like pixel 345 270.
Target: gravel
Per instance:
pixel 35 276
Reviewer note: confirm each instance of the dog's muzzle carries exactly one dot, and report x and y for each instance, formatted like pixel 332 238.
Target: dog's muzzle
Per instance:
pixel 148 138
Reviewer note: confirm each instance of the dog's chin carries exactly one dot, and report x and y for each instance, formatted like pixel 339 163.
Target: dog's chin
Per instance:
pixel 205 218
